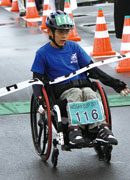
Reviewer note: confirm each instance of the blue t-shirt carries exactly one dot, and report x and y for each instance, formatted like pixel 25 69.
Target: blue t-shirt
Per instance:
pixel 58 62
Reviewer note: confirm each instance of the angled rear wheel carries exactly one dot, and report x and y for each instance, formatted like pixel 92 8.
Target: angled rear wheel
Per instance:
pixel 41 128
pixel 104 152
pixel 105 103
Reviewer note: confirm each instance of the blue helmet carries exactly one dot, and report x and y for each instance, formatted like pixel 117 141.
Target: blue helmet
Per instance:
pixel 59 20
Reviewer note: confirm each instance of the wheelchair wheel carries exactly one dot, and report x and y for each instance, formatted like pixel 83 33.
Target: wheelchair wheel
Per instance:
pixel 104 152
pixel 105 104
pixel 41 128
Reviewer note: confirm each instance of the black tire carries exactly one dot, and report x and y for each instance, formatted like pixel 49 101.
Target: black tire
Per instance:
pixel 105 104
pixel 99 149
pixel 41 128
pixel 107 152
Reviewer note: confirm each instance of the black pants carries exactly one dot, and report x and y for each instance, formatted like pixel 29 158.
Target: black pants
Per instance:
pixel 59 4
pixel 121 9
pixel 39 4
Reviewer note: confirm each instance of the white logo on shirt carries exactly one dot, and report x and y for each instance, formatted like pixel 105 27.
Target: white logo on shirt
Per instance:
pixel 74 58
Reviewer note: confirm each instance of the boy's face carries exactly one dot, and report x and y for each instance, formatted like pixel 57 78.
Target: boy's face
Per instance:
pixel 61 35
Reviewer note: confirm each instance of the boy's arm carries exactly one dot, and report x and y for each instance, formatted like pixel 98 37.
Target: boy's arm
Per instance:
pixel 106 79
pixel 37 89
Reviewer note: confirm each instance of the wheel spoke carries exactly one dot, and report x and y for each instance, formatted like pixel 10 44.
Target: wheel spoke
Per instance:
pixel 40 135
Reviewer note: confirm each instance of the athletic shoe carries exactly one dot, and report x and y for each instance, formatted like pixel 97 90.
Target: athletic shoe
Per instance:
pixel 75 137
pixel 105 135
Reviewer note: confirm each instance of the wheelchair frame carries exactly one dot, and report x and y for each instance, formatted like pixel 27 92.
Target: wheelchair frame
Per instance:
pixel 42 124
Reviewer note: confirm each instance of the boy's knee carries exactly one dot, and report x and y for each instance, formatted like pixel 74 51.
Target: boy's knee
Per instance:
pixel 77 91
pixel 75 95
pixel 88 93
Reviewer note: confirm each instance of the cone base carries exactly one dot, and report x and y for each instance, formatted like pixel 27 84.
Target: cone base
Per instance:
pixel 44 31
pixel 13 10
pixel 43 27
pixel 77 38
pixel 2 4
pixel 103 54
pixel 122 69
pixel 31 17
pixel 32 24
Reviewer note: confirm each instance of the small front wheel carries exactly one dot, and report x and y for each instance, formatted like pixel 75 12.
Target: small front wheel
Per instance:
pixel 107 152
pixel 54 158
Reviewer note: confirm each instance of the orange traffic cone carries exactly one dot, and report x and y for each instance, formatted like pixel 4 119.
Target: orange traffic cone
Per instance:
pixel 5 3
pixel 46 11
pixel 125 46
pixel 31 11
pixel 102 44
pixel 32 24
pixel 73 36
pixel 15 7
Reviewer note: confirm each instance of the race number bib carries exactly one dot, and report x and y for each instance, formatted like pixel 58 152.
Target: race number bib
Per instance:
pixel 85 112
pixel 61 19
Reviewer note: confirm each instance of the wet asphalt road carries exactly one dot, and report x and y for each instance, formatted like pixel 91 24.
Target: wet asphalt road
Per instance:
pixel 18 160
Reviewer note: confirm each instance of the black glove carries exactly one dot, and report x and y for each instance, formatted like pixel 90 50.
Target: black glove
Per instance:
pixel 119 86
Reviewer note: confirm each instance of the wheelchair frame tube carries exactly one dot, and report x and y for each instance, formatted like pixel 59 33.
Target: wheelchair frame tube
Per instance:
pixel 61 138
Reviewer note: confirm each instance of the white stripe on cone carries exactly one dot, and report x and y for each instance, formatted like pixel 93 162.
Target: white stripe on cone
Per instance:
pixel 126 30
pixel 68 10
pixel 30 4
pixel 125 46
pixel 101 34
pixel 100 20
pixel 47 12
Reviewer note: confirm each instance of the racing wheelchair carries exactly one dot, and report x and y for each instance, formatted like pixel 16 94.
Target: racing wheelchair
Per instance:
pixel 42 126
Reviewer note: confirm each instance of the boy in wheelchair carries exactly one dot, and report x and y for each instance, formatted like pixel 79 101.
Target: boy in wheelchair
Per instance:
pixel 61 57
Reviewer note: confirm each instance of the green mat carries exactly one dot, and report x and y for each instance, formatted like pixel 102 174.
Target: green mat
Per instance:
pixel 14 108
pixel 8 108
pixel 117 100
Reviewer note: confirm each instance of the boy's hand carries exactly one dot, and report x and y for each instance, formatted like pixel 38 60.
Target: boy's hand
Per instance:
pixel 121 88
pixel 125 91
